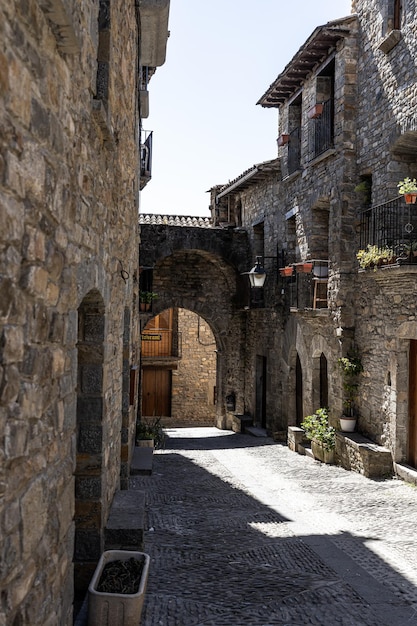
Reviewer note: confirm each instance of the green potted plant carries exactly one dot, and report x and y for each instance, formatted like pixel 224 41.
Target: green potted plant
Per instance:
pixel 374 257
pixel 408 188
pixel 321 434
pixel 351 367
pixel 145 299
pixel 150 433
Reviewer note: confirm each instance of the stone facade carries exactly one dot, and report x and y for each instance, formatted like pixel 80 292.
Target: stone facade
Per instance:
pixel 361 71
pixel 69 335
pixel 194 382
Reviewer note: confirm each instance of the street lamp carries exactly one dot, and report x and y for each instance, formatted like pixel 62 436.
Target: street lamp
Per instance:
pixel 257 274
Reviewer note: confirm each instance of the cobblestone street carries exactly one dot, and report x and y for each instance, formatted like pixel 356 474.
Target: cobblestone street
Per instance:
pixel 242 531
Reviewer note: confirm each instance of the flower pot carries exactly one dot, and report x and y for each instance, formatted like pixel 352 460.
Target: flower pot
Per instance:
pixel 286 271
pixel 411 197
pixel 315 111
pixel 145 306
pixel 347 424
pixel 305 268
pixel 146 443
pixel 283 139
pixel 320 453
pixel 123 609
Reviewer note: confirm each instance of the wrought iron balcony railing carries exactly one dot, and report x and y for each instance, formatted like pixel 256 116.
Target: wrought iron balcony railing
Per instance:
pixel 322 131
pixel 308 288
pixel 294 150
pixel 145 158
pixel 393 226
pixel 161 344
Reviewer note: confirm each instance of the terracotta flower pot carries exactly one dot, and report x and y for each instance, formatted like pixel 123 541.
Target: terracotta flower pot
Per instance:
pixel 286 271
pixel 410 198
pixel 304 268
pixel 315 111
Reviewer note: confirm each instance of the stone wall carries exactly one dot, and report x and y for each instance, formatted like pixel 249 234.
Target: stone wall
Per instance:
pixel 194 382
pixel 68 210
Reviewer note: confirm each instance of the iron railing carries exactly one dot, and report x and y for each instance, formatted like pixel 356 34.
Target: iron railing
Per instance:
pixel 161 344
pixel 308 290
pixel 322 135
pixel 145 157
pixel 391 225
pixel 294 150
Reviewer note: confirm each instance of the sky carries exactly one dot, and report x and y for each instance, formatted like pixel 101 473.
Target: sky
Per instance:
pixel 222 55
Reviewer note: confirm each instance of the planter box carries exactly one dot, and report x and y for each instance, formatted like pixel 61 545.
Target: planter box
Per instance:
pixel 146 443
pixel 111 609
pixel 305 268
pixel 321 454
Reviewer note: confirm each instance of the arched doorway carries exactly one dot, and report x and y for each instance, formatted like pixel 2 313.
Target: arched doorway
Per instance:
pixel 89 437
pixel 179 369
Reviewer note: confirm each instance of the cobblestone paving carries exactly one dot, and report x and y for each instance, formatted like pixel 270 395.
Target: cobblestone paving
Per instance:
pixel 242 531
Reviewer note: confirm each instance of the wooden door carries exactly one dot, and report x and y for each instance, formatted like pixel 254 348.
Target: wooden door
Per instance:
pixel 156 392
pixel 412 405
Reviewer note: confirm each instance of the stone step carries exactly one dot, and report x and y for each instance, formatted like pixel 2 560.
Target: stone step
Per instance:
pixel 256 431
pixel 142 460
pixel 125 525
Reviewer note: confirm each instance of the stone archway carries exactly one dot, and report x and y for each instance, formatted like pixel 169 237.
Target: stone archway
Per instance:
pixel 89 440
pixel 210 287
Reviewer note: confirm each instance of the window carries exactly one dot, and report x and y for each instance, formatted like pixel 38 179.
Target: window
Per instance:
pixel 294 128
pixel 322 123
pixel 398 9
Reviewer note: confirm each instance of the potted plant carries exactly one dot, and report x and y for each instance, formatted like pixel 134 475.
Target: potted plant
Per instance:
pixel 408 188
pixel 351 367
pixel 283 139
pixel 305 267
pixel 149 433
pixel 374 257
pixel 286 271
pixel 117 590
pixel 315 111
pixel 145 299
pixel 321 434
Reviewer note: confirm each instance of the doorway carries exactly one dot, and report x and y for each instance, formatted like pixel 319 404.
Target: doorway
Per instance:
pixel 412 405
pixel 156 392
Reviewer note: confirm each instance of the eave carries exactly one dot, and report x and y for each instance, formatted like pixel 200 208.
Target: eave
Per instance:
pixel 315 50
pixel 252 176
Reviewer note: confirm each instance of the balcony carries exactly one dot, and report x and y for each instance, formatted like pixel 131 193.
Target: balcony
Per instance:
pixel 391 225
pixel 161 345
pixel 322 131
pixel 145 158
pixel 308 290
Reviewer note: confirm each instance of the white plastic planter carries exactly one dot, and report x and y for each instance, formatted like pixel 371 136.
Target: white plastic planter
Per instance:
pixel 116 609
pixel 347 424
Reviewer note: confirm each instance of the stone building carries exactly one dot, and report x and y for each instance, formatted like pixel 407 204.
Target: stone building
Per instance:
pixel 346 103
pixel 73 91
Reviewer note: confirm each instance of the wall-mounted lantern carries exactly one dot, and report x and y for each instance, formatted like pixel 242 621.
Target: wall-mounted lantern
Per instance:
pixel 257 274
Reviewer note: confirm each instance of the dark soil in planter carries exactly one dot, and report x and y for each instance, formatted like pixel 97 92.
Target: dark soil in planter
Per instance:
pixel 121 576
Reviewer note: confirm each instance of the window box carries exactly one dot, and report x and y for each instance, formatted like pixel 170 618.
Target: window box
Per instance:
pixel 315 111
